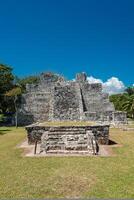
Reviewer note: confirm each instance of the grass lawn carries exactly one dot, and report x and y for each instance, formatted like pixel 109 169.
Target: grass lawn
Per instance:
pixel 67 123
pixel 49 177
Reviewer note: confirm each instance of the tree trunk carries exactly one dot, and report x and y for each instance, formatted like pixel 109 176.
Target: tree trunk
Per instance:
pixel 16 113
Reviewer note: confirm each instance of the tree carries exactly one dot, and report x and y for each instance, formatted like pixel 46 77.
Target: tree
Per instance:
pixel 21 82
pixel 129 106
pixel 125 101
pixel 6 83
pixel 130 91
pixel 118 100
pixel 14 93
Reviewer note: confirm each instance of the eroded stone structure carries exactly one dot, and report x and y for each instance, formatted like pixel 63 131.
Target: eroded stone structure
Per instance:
pixel 68 139
pixel 55 99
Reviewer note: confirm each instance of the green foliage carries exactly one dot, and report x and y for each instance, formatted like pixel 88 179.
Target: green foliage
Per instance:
pixel 6 83
pixel 27 80
pixel 128 105
pixel 118 100
pixel 13 92
pixel 2 118
pixel 130 91
pixel 6 78
pixel 124 102
pixel 11 87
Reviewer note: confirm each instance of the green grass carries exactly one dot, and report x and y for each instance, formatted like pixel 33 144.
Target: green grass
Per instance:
pixel 130 123
pixel 57 177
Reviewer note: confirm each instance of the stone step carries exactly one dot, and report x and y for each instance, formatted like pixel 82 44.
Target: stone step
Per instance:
pixel 66 133
pixel 69 152
pixel 69 147
pixel 66 130
pixel 69 131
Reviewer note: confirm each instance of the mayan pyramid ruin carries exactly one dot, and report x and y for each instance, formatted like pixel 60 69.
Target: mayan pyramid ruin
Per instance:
pixel 56 99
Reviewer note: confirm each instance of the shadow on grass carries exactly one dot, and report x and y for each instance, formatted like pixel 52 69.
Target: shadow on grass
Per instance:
pixel 111 142
pixel 4 131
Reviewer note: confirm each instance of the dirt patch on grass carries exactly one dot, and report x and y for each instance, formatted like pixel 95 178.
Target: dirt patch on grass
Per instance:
pixel 70 185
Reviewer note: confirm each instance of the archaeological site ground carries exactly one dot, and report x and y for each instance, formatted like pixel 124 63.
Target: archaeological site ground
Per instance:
pixel 66 176
pixel 70 143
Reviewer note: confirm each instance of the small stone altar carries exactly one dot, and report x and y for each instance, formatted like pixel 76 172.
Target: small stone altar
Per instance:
pixel 61 138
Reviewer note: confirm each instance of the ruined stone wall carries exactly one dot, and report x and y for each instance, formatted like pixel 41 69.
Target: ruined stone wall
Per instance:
pixel 119 117
pixel 66 102
pixel 96 105
pixel 53 98
pixel 94 99
pixel 75 134
pixel 36 102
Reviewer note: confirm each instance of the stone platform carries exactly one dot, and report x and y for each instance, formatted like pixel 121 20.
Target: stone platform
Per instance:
pixel 68 137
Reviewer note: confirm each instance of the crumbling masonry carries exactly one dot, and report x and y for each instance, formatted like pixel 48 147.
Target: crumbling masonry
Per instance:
pixel 55 99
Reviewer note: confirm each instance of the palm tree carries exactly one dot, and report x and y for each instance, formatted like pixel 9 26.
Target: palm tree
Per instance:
pixel 130 90
pixel 128 105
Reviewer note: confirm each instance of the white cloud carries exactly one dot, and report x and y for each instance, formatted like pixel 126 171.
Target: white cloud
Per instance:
pixel 111 86
pixel 91 79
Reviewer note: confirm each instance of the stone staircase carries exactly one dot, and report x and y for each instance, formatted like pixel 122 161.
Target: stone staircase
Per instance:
pixel 68 140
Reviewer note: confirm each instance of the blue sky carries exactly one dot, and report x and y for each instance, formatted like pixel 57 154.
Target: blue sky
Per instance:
pixel 69 36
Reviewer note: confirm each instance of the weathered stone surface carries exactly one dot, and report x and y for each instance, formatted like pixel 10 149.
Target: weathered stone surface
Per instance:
pixel 54 99
pixel 71 132
pixel 66 103
pixel 119 117
pixel 64 139
pixel 81 77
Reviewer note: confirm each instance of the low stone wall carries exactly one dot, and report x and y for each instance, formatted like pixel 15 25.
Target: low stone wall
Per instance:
pixel 74 134
pixel 119 117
